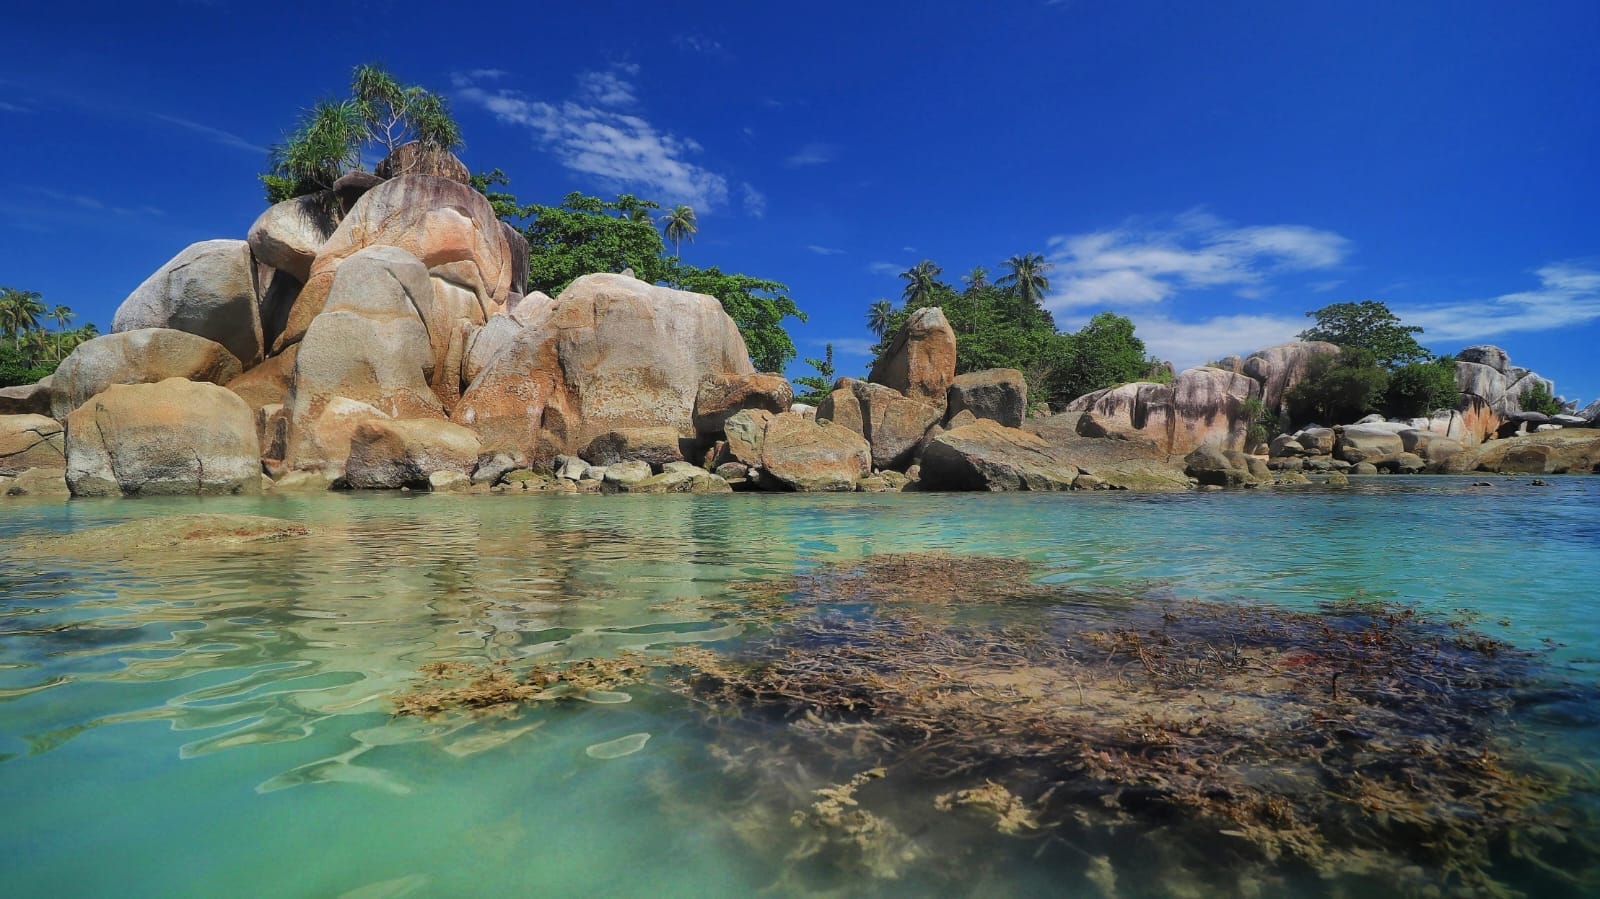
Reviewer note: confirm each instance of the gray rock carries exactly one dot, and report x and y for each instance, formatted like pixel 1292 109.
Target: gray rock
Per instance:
pixel 31 441
pixel 288 235
pixel 208 290
pixel 1213 466
pixel 492 467
pixel 26 399
pixel 998 394
pixel 893 424
pixel 1368 443
pixel 989 456
pixel 37 482
pixel 449 482
pixel 624 474
pixel 387 455
pixel 656 446
pixel 920 360
pixel 143 356
pixel 1485 354
pixel 572 468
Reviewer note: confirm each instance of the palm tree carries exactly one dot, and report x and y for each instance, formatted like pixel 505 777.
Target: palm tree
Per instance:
pixel 19 313
pixel 879 315
pixel 1026 273
pixel 921 279
pixel 977 279
pixel 680 223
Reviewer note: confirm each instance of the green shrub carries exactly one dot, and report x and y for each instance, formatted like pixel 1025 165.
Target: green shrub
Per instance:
pixel 1420 388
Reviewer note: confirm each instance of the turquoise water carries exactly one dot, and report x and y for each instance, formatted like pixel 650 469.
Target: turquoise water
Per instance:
pixel 218 722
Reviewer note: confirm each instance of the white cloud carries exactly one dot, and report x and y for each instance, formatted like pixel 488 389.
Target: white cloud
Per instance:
pixel 755 202
pixel 1187 344
pixel 1568 294
pixel 622 151
pixel 849 346
pixel 812 154
pixel 12 107
pixel 1325 286
pixel 697 43
pixel 1140 264
pixel 886 268
pixel 606 88
pixel 824 251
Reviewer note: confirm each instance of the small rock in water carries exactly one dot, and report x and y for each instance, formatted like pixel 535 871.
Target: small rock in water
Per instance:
pixel 616 749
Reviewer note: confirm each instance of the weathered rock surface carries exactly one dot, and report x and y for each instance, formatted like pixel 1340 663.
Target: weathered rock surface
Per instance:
pixel 1430 447
pixel 1549 452
pixel 173 437
pixel 653 446
pixel 386 455
pixel 1128 463
pixel 1368 443
pixel 447 226
pixel 1278 369
pixel 414 158
pixel 517 246
pixel 722 395
pixel 26 399
pixel 143 356
pixel 679 477
pixel 1485 354
pixel 208 290
pixel 351 187
pixel 368 346
pixel 892 423
pixel 610 353
pixel 288 235
pixel 987 455
pixel 1204 406
pixel 1216 467
pixel 36 482
pixel 30 441
pixel 921 359
pixel 998 394
pixel 809 456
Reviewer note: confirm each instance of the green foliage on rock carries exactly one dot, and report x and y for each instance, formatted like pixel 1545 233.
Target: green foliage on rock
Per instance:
pixel 327 141
pixel 819 385
pixel 1538 398
pixel 1003 324
pixel 1369 326
pixel 1421 388
pixel 1339 389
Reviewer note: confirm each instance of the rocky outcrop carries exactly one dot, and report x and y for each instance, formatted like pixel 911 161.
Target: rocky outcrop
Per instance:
pixel 1368 443
pixel 987 455
pixel 722 395
pixel 352 186
pixel 288 235
pixel 387 455
pixel 920 361
pixel 1126 463
pixel 26 399
pixel 414 158
pixel 653 446
pixel 610 353
pixel 269 382
pixel 143 356
pixel 1491 390
pixel 447 226
pixel 1434 449
pixel 369 346
pixel 30 441
pixel 1203 407
pixel 1567 451
pixel 892 424
pixel 796 453
pixel 998 394
pixel 173 437
pixel 208 290
pixel 1278 369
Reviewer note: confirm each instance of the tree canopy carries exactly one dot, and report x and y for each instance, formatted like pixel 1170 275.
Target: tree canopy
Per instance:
pixel 1370 326
pixel 328 140
pixel 28 351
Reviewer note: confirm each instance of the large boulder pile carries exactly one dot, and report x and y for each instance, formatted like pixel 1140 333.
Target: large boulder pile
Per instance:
pixel 1279 369
pixel 1202 407
pixel 1491 390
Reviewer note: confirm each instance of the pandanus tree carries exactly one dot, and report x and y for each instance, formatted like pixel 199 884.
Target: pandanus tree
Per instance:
pixel 1026 273
pixel 680 224
pixel 921 280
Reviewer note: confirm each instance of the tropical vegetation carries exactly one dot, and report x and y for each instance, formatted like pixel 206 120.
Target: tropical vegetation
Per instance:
pixel 380 114
pixel 1003 324
pixel 1380 368
pixel 28 350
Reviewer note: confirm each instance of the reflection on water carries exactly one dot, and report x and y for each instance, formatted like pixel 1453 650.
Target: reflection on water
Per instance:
pixel 217 718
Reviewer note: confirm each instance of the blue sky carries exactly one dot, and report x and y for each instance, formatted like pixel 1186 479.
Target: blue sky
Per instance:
pixel 1211 170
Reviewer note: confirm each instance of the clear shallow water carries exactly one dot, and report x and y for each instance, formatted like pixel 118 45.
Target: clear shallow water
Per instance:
pixel 218 722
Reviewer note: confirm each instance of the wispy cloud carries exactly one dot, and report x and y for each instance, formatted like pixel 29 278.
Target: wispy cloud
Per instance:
pixel 621 150
pixel 1325 286
pixel 824 251
pixel 886 268
pixel 608 88
pixel 1187 344
pixel 12 107
pixel 1568 294
pixel 755 202
pixel 1142 264
pixel 698 43
pixel 848 346
pixel 812 154
pixel 215 135
pixel 93 204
